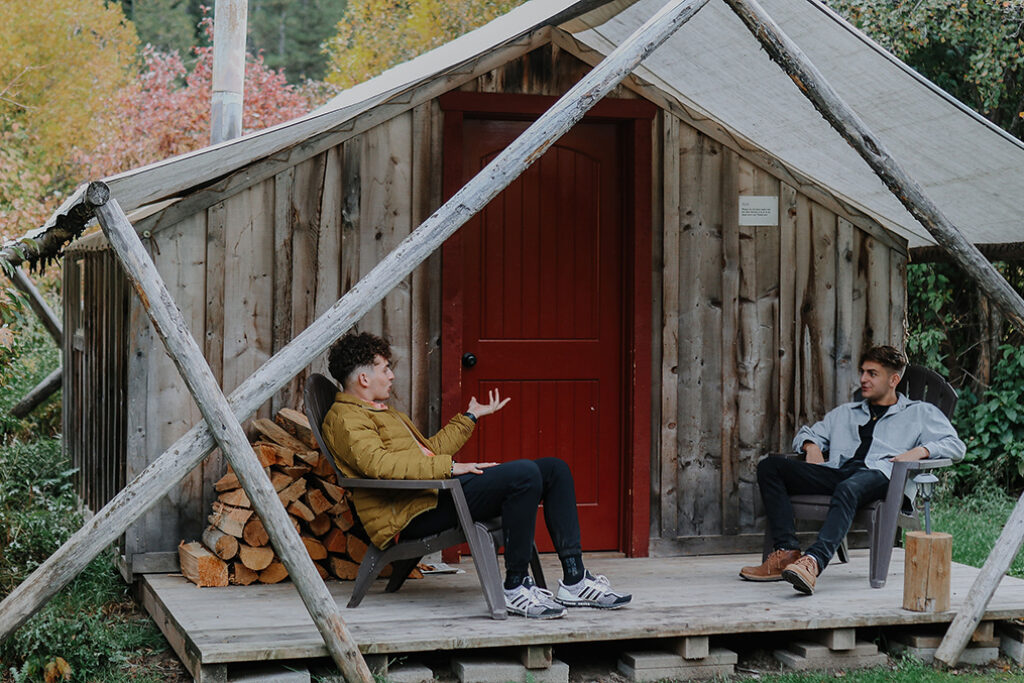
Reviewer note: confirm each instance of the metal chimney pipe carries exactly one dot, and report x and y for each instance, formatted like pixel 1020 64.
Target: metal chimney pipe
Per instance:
pixel 229 18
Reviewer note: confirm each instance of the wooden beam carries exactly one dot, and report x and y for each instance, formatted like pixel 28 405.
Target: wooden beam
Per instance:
pixel 188 451
pixel 839 114
pixel 173 331
pixel 40 393
pixel 66 223
pixel 35 300
pixel 1001 251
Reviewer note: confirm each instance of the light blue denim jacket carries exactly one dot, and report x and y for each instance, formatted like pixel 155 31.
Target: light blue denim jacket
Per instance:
pixel 905 425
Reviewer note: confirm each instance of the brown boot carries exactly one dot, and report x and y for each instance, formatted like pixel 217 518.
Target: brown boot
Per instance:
pixel 802 574
pixel 771 569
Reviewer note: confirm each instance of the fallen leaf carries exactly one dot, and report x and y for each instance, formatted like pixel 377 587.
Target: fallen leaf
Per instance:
pixel 57 670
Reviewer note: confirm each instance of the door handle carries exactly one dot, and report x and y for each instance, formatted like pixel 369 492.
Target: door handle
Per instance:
pixel 468 360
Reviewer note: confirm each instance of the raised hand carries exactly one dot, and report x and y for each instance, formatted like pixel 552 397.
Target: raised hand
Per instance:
pixel 495 404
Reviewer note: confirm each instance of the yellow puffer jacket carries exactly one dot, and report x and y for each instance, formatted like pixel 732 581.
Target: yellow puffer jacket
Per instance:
pixel 381 443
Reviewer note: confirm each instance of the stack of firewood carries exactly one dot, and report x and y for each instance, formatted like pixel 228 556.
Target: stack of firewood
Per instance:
pixel 235 547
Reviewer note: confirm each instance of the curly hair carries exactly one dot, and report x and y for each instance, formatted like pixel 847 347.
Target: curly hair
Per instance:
pixel 886 356
pixel 355 351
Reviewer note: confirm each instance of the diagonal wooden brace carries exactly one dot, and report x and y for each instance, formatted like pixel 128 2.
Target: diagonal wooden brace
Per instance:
pixel 838 113
pixel 181 346
pixel 156 480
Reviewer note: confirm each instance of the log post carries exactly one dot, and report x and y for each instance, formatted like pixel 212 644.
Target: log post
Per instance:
pixel 66 223
pixel 40 393
pixel 928 559
pixel 35 300
pixel 188 451
pixel 839 114
pixel 173 331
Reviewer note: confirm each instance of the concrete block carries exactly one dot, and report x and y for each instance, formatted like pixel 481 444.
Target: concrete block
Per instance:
pixel 536 656
pixel 974 655
pixel 803 656
pixel 481 670
pixel 409 672
pixel 656 666
pixel 1012 648
pixel 693 647
pixel 809 650
pixel 838 638
pixel 269 673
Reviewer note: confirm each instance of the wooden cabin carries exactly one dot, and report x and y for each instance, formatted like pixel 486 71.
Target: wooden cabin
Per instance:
pixel 681 281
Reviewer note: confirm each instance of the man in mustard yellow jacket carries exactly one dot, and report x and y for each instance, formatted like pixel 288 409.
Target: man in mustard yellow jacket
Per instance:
pixel 370 439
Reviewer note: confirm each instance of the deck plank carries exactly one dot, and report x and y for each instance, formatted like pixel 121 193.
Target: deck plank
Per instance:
pixel 672 597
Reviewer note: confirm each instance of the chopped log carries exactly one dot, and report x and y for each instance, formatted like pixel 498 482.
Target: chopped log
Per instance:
pixel 321 525
pixel 322 570
pixel 230 520
pixel 284 457
pixel 301 511
pixel 356 548
pixel 224 546
pixel 343 569
pixel 240 575
pixel 296 471
pixel 415 573
pixel 926 573
pixel 296 424
pixel 275 573
pixel 266 454
pixel 325 469
pixel 236 498
pixel 335 541
pixel 344 520
pixel 279 436
pixel 280 480
pixel 189 450
pixel 200 566
pixel 254 533
pixel 335 493
pixel 228 482
pixel 316 549
pixel 292 492
pixel 311 458
pixel 256 559
pixel 317 501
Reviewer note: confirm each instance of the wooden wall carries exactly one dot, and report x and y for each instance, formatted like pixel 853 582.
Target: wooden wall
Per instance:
pixel 757 323
pixel 761 331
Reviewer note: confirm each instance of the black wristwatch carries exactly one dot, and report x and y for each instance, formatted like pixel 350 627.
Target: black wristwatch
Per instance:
pixel 470 415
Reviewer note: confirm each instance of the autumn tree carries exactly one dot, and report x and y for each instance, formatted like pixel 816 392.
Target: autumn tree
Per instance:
pixel 166 110
pixel 374 35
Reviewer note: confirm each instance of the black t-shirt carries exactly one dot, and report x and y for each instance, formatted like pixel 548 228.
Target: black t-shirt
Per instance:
pixel 867 430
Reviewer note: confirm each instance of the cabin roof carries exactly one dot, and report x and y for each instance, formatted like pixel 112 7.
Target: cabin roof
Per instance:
pixel 713 66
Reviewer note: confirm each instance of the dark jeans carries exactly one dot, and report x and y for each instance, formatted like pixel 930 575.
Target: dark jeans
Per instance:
pixel 850 486
pixel 514 490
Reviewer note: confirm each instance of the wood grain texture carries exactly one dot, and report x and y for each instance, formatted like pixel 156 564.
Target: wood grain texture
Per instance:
pixel 672 278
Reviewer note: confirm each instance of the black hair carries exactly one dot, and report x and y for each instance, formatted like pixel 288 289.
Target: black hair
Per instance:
pixel 355 351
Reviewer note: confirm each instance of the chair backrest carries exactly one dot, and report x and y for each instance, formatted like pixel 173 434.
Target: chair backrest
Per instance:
pixel 319 397
pixel 923 384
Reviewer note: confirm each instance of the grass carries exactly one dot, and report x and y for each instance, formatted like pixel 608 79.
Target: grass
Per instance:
pixel 92 624
pixel 907 670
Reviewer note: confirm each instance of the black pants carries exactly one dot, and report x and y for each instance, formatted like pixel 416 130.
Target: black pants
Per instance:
pixel 514 490
pixel 850 486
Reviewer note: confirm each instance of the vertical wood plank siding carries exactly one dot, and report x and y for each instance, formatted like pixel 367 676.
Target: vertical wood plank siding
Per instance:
pixel 758 328
pixel 94 352
pixel 762 328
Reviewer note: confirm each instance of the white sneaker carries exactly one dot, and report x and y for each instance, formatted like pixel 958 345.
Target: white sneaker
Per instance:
pixel 532 602
pixel 591 591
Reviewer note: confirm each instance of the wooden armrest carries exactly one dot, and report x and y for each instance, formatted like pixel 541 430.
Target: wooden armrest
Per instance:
pixel 396 483
pixel 930 463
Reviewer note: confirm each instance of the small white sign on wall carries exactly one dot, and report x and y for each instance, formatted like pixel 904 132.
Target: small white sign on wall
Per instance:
pixel 759 210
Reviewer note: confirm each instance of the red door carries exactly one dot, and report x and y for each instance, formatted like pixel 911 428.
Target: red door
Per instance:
pixel 533 290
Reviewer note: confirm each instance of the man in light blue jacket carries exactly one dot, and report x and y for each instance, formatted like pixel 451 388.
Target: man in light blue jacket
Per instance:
pixel 862 440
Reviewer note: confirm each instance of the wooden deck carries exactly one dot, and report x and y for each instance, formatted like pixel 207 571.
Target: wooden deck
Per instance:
pixel 671 597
